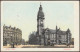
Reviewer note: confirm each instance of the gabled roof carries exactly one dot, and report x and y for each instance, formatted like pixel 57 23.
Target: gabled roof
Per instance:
pixel 50 30
pixel 54 31
pixel 61 32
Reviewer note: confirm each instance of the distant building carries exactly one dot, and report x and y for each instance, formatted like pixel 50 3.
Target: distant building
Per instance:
pixel 48 36
pixel 11 35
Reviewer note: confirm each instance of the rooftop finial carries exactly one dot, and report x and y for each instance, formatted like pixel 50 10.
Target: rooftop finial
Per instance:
pixel 40 6
pixel 40 3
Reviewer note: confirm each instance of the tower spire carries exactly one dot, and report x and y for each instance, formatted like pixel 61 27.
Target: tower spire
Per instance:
pixel 40 12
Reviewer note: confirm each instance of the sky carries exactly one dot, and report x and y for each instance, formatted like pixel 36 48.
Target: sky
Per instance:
pixel 23 15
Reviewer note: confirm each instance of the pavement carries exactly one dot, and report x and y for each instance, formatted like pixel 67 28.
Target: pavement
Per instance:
pixel 40 46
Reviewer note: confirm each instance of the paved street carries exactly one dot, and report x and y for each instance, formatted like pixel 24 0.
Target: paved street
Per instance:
pixel 40 46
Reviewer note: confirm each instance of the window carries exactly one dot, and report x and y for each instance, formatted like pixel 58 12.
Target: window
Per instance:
pixel 46 36
pixel 54 35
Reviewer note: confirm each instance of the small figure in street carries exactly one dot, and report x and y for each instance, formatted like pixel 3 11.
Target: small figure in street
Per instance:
pixel 12 45
pixel 68 45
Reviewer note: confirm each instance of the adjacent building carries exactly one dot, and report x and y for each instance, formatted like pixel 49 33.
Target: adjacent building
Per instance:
pixel 11 35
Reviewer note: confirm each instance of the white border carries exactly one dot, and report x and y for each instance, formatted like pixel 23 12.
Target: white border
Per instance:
pixel 76 31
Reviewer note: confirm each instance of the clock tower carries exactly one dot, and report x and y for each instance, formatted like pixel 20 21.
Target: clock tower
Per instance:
pixel 40 24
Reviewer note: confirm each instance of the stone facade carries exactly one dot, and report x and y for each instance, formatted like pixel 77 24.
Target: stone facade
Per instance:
pixel 56 36
pixel 11 35
pixel 49 36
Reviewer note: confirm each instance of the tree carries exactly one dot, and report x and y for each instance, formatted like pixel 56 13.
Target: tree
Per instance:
pixel 32 38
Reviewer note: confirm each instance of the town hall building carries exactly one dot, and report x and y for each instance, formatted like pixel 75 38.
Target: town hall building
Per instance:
pixel 48 36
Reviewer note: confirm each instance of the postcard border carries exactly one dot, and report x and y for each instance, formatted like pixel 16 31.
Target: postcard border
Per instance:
pixel 39 0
